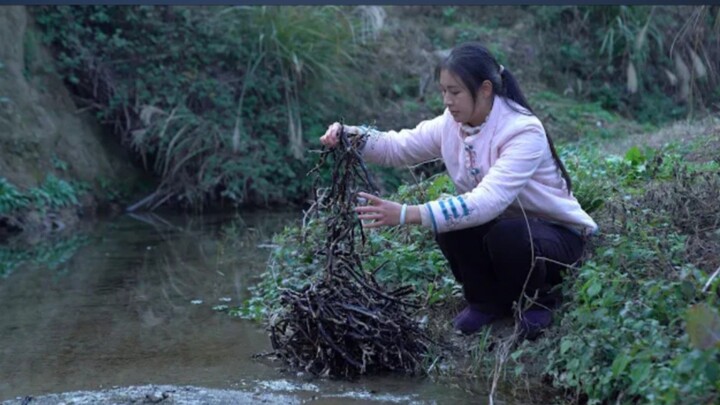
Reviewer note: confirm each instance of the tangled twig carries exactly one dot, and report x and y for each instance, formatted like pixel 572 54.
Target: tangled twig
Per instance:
pixel 345 323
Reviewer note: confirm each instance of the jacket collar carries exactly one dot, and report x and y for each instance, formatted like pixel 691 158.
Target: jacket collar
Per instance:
pixel 490 120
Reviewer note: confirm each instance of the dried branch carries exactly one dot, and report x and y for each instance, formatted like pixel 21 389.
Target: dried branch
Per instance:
pixel 345 324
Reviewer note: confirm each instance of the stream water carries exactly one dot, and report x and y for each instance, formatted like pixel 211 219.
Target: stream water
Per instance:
pixel 130 302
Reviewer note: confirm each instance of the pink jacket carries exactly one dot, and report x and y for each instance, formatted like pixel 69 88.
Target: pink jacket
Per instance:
pixel 506 166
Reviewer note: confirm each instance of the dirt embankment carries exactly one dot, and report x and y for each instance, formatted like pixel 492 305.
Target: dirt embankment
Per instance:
pixel 42 132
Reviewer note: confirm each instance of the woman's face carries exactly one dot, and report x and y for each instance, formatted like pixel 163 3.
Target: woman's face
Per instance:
pixel 459 101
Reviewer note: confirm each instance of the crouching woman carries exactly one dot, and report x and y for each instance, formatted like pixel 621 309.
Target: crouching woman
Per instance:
pixel 514 224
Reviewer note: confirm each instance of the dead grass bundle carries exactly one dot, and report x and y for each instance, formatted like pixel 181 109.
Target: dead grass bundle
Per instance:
pixel 690 200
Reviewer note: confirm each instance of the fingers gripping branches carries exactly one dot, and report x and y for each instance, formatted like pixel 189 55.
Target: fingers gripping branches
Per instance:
pixel 348 175
pixel 345 323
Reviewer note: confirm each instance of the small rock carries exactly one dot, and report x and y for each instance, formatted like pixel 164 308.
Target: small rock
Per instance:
pixel 156 397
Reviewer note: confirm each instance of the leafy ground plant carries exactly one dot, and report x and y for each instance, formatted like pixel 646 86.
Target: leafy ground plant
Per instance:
pixel 53 193
pixel 638 308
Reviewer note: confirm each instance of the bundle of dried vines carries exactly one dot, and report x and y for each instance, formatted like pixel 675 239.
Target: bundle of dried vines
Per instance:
pixel 345 323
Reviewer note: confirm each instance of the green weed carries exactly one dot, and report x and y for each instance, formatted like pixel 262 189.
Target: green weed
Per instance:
pixel 53 193
pixel 11 199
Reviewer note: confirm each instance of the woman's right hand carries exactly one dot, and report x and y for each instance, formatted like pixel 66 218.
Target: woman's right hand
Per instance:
pixel 330 139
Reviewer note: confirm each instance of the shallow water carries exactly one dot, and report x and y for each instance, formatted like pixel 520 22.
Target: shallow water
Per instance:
pixel 134 306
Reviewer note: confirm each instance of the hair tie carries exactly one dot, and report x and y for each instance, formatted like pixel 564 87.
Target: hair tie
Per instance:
pixel 502 69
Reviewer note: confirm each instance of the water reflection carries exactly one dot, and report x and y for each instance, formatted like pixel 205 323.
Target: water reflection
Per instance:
pixel 121 312
pixel 133 306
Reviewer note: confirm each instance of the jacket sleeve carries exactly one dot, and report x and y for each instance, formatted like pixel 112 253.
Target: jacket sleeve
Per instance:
pixel 519 157
pixel 406 147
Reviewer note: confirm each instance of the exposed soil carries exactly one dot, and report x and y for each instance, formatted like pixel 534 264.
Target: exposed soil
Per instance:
pixel 42 132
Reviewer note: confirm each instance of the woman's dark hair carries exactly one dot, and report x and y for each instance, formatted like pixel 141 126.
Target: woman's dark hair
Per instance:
pixel 474 64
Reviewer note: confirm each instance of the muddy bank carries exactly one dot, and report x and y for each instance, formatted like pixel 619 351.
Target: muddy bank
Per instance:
pixel 50 150
pixel 41 129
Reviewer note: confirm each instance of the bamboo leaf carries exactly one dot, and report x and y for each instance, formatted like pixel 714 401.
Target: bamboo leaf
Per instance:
pixel 632 79
pixel 641 36
pixel 683 73
pixel 170 147
pixel 148 111
pixel 700 70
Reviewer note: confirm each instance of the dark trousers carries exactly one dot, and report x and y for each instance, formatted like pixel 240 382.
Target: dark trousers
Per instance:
pixel 492 261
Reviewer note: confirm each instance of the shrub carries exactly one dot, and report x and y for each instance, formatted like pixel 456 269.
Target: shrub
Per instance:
pixel 212 100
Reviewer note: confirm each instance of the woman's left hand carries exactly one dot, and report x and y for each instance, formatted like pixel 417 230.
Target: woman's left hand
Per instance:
pixel 380 212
